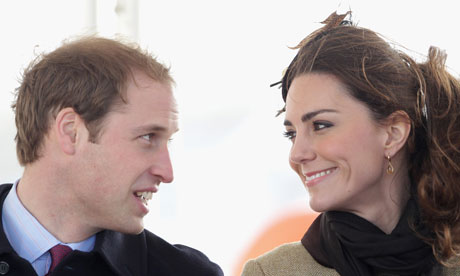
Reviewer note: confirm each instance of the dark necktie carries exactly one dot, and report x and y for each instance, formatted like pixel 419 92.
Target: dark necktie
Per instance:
pixel 58 253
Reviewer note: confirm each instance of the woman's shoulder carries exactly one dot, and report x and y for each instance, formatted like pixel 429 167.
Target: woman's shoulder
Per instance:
pixel 287 259
pixel 448 271
pixel 293 259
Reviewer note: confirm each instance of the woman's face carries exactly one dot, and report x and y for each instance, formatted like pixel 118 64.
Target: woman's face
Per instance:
pixel 338 149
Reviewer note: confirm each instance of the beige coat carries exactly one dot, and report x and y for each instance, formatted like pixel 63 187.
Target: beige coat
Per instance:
pixel 292 259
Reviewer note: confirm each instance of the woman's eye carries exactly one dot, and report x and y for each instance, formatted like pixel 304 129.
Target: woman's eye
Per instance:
pixel 289 134
pixel 321 125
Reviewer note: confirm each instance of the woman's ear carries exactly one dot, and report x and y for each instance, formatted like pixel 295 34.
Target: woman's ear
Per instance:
pixel 398 127
pixel 66 124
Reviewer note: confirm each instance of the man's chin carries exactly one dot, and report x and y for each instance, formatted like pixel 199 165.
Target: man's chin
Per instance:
pixel 135 231
pixel 132 229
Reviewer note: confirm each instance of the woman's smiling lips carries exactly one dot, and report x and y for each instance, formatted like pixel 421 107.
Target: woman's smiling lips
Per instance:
pixel 312 178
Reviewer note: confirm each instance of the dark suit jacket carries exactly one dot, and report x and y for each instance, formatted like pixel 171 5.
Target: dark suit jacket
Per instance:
pixel 115 254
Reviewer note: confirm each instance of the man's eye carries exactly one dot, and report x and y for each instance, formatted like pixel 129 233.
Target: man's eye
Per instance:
pixel 321 125
pixel 148 137
pixel 289 134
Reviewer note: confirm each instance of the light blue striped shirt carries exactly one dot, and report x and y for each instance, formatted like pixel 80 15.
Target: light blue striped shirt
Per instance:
pixel 29 238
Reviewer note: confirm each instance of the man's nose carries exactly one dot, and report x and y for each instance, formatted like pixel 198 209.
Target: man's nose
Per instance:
pixel 162 166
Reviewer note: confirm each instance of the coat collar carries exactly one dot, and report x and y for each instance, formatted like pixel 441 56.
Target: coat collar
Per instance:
pixel 126 254
pixel 5 246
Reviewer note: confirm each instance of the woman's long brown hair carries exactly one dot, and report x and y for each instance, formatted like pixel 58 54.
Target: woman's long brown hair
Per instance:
pixel 388 80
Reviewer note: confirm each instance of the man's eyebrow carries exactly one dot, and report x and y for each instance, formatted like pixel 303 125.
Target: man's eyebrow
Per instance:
pixel 308 116
pixel 149 128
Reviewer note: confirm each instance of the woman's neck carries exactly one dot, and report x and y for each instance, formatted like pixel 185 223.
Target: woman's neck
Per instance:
pixel 385 214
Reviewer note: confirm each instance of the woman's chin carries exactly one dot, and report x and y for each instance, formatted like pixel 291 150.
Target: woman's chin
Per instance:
pixel 318 206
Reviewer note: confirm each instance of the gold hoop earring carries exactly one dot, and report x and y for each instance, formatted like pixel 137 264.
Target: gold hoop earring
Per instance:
pixel 390 168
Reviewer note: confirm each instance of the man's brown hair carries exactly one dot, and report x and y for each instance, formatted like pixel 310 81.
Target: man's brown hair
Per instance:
pixel 88 75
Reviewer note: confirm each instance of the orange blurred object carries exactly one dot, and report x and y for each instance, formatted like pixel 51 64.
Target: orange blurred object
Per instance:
pixel 288 228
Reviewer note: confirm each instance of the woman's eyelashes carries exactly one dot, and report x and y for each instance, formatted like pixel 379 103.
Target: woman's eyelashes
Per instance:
pixel 320 125
pixel 289 134
pixel 316 126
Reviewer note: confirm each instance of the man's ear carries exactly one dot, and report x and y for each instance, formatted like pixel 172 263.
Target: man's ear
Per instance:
pixel 398 128
pixel 68 124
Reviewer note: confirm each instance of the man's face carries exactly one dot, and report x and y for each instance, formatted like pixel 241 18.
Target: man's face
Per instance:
pixel 118 174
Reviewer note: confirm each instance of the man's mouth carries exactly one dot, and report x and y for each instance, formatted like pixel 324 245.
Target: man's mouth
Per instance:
pixel 144 196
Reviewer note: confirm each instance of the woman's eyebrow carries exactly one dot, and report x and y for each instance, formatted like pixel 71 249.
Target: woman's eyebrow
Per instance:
pixel 308 116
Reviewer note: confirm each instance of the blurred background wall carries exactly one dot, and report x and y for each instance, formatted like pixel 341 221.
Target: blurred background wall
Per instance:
pixel 234 195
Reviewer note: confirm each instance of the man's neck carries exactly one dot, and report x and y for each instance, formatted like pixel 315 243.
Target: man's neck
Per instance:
pixel 48 200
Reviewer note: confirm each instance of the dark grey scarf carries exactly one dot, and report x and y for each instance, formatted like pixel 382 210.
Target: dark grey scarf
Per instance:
pixel 355 247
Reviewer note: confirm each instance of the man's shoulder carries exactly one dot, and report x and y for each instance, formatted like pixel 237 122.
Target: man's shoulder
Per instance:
pixel 178 259
pixel 148 254
pixel 287 259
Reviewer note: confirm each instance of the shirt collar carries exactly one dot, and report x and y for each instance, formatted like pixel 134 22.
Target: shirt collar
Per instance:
pixel 26 235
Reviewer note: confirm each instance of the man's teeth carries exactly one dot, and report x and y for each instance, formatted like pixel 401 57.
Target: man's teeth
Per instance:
pixel 323 173
pixel 144 196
